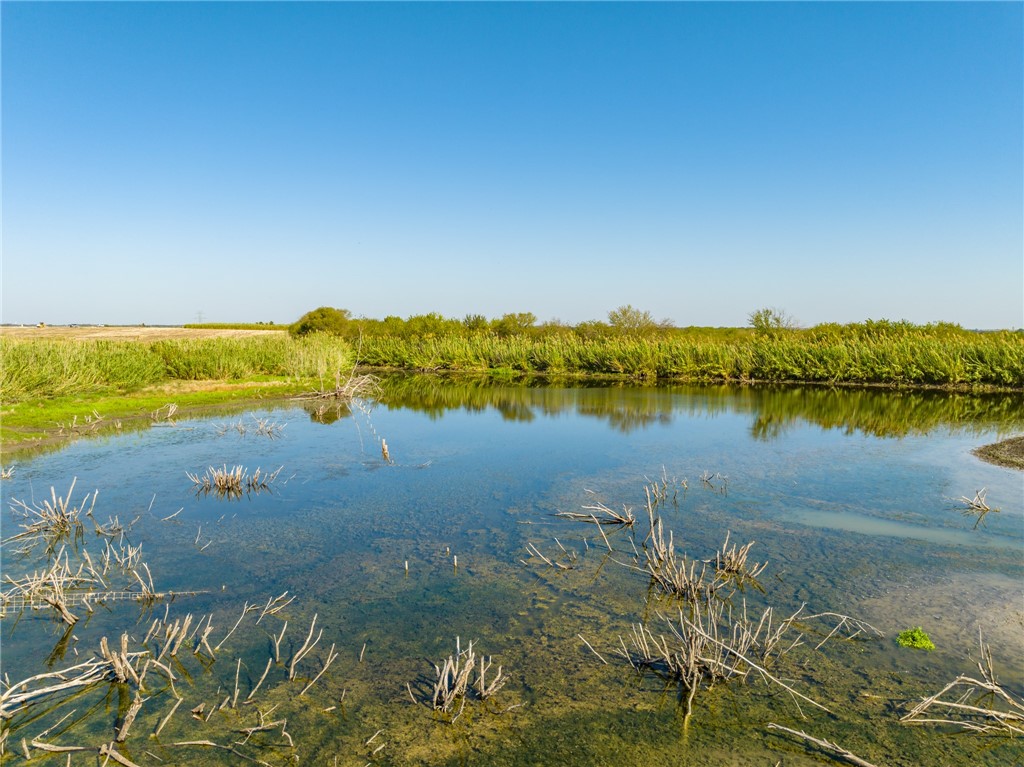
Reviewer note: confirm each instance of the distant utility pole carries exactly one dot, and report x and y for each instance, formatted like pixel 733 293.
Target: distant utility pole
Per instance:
pixel 199 317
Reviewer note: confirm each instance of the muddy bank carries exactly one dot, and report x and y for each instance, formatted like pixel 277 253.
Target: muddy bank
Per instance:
pixel 1009 453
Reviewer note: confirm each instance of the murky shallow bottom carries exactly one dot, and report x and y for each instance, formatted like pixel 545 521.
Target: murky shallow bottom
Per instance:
pixel 849 523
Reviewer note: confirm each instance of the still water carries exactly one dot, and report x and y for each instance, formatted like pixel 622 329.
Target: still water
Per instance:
pixel 853 498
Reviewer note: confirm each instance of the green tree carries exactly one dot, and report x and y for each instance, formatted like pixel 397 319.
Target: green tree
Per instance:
pixel 326 319
pixel 626 319
pixel 591 329
pixel 770 320
pixel 431 324
pixel 475 322
pixel 514 324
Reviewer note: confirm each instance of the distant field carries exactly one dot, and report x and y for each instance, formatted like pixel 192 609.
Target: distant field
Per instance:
pixel 128 333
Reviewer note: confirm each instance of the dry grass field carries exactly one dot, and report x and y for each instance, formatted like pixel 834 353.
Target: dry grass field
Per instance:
pixel 123 333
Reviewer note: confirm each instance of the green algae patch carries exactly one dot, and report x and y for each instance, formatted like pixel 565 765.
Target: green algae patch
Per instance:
pixel 916 638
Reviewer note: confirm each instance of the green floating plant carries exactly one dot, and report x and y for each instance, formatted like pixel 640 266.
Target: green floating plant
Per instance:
pixel 916 638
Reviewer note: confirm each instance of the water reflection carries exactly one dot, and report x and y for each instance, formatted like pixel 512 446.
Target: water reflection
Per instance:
pixel 775 409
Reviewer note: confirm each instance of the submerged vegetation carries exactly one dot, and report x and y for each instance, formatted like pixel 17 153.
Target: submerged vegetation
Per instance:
pixel 698 623
pixel 91 705
pixel 714 637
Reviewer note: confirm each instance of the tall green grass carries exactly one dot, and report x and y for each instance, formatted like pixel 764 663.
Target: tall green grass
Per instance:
pixel 988 359
pixel 41 369
pixel 890 355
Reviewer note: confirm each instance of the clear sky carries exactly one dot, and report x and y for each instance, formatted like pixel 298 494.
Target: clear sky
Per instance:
pixel 249 162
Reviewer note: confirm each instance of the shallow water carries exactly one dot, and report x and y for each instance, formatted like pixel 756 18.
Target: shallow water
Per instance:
pixel 852 498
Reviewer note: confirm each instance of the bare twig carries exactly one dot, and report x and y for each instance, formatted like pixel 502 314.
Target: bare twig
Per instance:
pixel 839 751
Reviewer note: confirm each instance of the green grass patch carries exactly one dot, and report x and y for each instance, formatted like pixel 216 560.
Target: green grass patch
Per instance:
pixel 29 427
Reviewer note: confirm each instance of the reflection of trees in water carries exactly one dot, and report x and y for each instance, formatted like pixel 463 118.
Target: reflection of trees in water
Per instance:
pixel 774 409
pixel 327 412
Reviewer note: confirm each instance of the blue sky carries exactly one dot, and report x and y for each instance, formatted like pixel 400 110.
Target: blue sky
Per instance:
pixel 249 162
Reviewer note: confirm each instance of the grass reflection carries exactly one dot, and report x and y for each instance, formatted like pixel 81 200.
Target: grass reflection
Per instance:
pixel 878 413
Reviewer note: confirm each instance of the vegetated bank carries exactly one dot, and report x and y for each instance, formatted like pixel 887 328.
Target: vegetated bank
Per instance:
pixel 632 345
pixel 53 387
pixel 49 380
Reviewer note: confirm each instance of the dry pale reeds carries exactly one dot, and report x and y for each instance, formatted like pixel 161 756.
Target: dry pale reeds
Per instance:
pixel 599 514
pixel 691 579
pixel 232 483
pixel 54 521
pixel 262 427
pixel 454 683
pixel 52 586
pixel 90 423
pixel 731 565
pixel 674 574
pixel 164 414
pixel 707 645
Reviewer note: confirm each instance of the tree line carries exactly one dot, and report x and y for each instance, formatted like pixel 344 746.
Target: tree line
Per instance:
pixel 623 321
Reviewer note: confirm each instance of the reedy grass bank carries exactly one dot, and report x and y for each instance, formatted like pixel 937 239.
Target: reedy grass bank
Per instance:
pixel 911 359
pixel 45 369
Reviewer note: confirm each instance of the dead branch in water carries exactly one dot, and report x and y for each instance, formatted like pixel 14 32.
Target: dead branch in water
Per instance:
pixel 599 514
pixel 977 507
pixel 974 708
pixel 840 752
pixel 534 551
pixel 306 648
pixel 354 387
pixel 108 666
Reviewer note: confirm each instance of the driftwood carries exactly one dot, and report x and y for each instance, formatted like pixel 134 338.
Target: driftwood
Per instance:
pixel 958 712
pixel 111 665
pixel 837 751
pixel 355 386
pixel 600 514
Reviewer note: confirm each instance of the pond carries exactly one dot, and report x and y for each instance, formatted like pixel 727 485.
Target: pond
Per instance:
pixel 853 499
